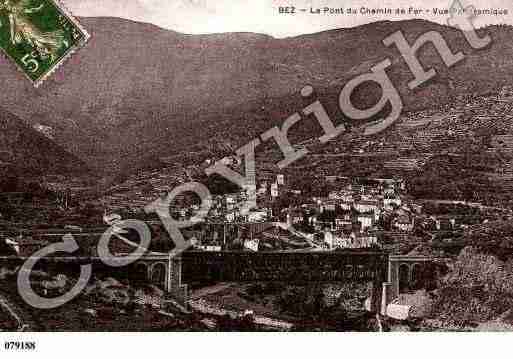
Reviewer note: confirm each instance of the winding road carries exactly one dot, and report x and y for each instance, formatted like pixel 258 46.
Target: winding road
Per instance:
pixel 24 322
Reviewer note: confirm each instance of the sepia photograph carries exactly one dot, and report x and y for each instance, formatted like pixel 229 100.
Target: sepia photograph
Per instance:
pixel 185 167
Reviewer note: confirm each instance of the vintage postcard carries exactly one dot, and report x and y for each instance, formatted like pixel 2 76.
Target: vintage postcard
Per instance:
pixel 255 166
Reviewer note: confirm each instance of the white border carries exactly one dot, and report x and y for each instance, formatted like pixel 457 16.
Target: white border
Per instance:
pixel 263 345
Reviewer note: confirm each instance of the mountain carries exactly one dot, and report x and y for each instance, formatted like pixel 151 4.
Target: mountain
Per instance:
pixel 137 91
pixel 27 153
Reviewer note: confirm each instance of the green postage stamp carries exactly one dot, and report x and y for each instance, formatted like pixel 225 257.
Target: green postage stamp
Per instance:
pixel 38 35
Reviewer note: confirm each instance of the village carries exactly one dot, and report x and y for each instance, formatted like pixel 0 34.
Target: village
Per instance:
pixel 352 194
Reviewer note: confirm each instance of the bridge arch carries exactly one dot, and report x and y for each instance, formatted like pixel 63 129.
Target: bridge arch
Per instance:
pixel 417 276
pixel 404 277
pixel 411 272
pixel 158 274
pixel 141 273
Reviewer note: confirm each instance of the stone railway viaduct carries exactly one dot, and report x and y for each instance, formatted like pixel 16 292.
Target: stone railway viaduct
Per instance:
pixel 390 275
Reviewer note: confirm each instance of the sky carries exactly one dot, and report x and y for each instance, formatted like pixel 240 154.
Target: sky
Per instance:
pixel 262 16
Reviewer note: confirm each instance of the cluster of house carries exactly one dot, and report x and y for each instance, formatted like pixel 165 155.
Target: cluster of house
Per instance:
pixel 229 207
pixel 349 217
pixel 352 216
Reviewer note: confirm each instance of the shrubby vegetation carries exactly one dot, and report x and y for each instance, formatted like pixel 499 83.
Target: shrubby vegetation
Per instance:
pixel 479 288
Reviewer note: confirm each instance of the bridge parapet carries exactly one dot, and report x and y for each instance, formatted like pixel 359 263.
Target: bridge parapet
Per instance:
pixel 285 266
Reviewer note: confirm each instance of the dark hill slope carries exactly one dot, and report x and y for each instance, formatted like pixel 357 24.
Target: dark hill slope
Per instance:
pixel 137 90
pixel 29 153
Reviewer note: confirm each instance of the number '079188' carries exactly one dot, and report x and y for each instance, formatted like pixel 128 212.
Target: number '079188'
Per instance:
pixel 20 345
